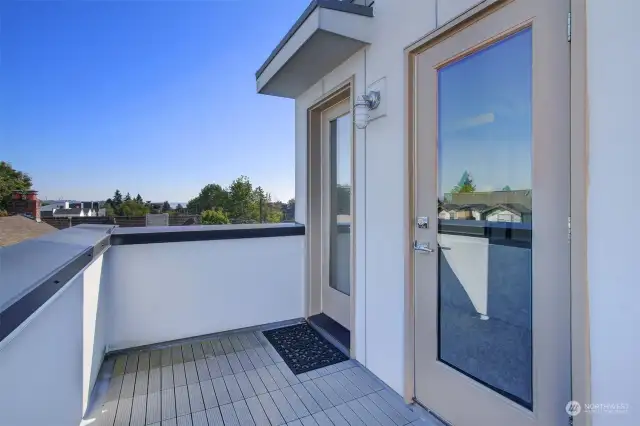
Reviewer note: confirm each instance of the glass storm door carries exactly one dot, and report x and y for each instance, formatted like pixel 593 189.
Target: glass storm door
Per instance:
pixel 337 128
pixel 492 282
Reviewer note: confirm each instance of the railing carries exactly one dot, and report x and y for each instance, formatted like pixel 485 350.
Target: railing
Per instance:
pixel 121 221
pixel 69 298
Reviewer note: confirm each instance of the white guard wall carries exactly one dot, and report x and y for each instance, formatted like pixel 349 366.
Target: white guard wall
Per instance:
pixel 49 364
pixel 380 177
pixel 94 327
pixel 614 149
pixel 167 291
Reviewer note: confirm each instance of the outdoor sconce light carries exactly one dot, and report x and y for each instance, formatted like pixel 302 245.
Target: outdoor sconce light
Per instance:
pixel 363 105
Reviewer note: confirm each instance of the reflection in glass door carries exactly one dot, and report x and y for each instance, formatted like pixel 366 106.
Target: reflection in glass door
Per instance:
pixel 485 215
pixel 340 249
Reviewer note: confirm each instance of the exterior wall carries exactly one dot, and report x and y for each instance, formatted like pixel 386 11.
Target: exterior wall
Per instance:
pixel 380 177
pixel 49 364
pixel 167 291
pixel 613 67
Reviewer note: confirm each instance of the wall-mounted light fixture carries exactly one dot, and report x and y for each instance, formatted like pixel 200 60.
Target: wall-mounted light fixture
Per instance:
pixel 363 105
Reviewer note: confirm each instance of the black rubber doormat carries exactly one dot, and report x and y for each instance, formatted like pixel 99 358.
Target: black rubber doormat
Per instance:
pixel 303 349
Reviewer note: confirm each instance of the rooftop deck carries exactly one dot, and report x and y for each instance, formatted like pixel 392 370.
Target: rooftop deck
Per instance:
pixel 101 301
pixel 238 378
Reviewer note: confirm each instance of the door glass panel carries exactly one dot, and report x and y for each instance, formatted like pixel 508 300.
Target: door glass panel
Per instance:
pixel 485 215
pixel 340 247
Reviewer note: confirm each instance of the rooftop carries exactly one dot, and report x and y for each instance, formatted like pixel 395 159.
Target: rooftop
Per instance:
pixel 14 229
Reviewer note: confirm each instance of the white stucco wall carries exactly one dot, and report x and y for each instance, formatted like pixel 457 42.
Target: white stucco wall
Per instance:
pixel 49 364
pixel 162 292
pixel 614 149
pixel 94 327
pixel 380 178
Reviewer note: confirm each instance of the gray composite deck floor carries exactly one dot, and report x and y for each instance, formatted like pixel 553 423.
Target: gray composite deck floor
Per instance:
pixel 238 379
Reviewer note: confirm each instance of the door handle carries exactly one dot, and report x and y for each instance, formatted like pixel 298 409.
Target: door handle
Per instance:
pixel 422 247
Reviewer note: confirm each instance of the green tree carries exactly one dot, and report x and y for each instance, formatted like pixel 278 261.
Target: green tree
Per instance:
pixel 108 206
pixel 214 217
pixel 290 210
pixel 268 210
pixel 244 203
pixel 239 202
pixel 274 215
pixel 465 185
pixel 139 199
pixel 212 196
pixel 506 188
pixel 127 197
pixel 10 180
pixel 117 199
pixel 166 207
pixel 131 208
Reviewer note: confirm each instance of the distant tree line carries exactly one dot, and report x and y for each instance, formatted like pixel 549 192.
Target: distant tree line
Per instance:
pixel 239 202
pixel 129 206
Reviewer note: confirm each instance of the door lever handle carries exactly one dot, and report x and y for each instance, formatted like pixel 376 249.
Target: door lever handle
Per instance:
pixel 422 247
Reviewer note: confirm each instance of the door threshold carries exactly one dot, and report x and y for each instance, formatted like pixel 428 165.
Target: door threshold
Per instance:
pixel 335 333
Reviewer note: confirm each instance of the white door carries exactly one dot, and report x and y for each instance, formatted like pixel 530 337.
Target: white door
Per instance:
pixel 337 129
pixel 492 309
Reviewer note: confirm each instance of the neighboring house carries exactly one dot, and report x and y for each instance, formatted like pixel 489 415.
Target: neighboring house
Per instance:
pixel 51 206
pixel 493 198
pixel 470 212
pixel 507 213
pixel 155 207
pixel 447 211
pixel 15 229
pixel 484 334
pixel 77 212
pixel 93 205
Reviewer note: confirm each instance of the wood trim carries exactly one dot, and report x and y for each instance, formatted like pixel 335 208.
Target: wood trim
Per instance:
pixel 580 352
pixel 409 317
pixel 341 92
pixel 352 334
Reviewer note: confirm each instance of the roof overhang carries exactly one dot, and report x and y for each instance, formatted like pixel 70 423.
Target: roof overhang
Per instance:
pixel 327 34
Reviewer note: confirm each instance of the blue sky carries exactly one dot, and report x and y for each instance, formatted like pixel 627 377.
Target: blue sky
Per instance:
pixel 151 97
pixel 485 117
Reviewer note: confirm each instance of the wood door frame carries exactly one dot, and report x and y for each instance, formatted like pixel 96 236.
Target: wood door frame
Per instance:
pixel 313 303
pixel 580 358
